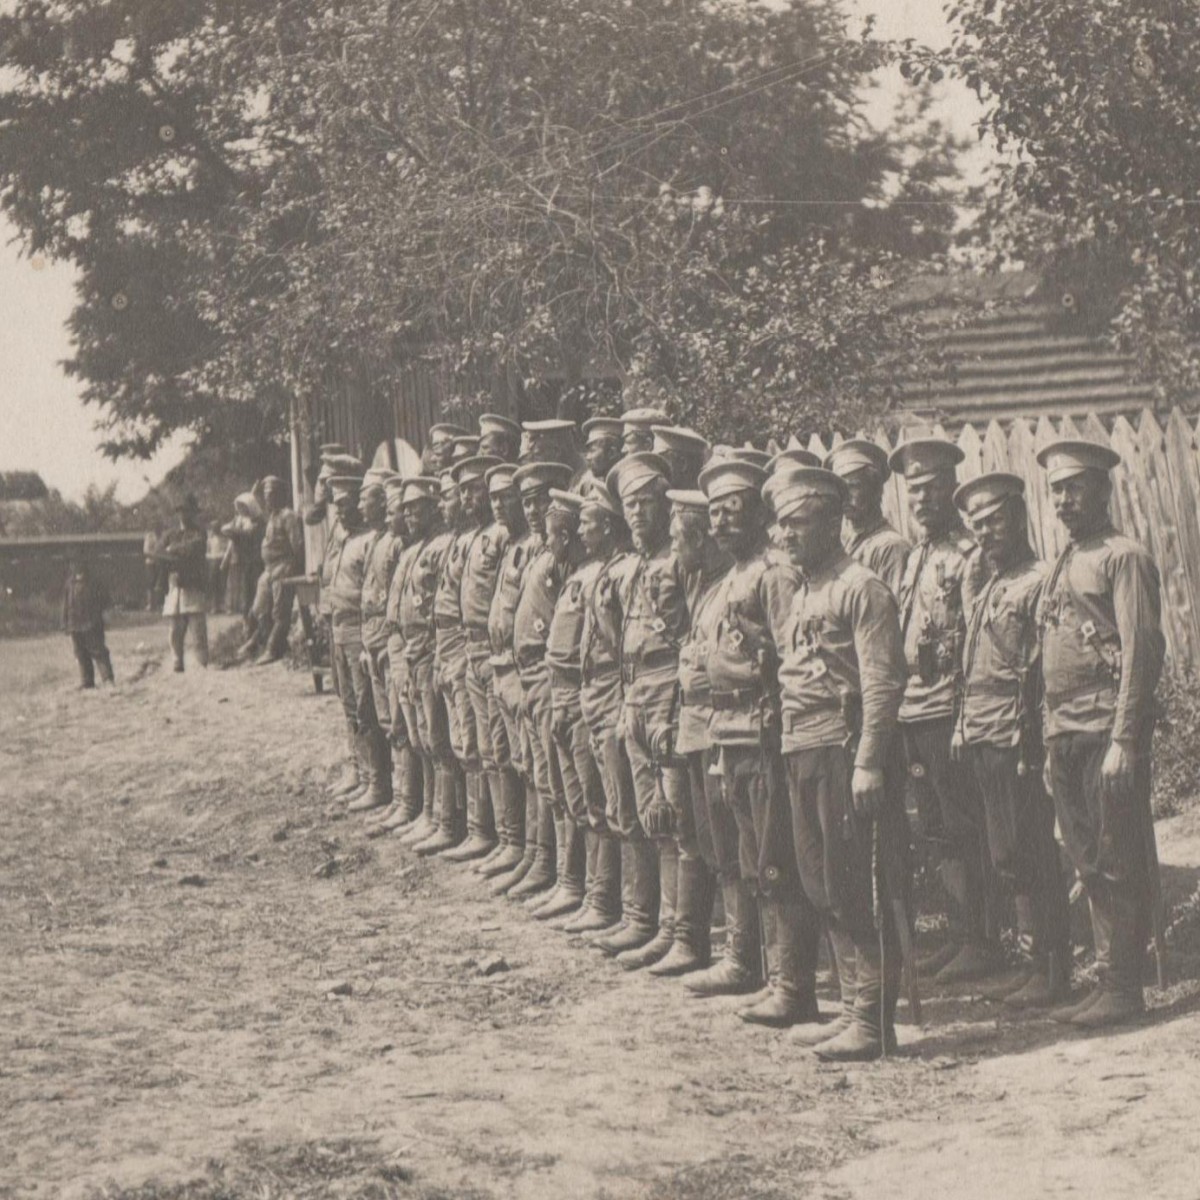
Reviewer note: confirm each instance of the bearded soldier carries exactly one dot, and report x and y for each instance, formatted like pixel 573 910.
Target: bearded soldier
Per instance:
pixel 698 796
pixel 377 579
pixel 531 626
pixel 424 637
pixel 998 733
pixel 842 677
pixel 936 586
pixel 753 602
pixel 510 748
pixel 1102 655
pixel 481 563
pixel 866 533
pixel 407 775
pixel 609 905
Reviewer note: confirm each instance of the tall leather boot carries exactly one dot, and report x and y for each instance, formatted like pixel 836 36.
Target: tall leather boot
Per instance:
pixel 739 971
pixel 1121 928
pixel 500 823
pixel 692 948
pixel 505 883
pixel 874 1008
pixel 451 825
pixel 602 909
pixel 639 899
pixel 976 958
pixel 348 781
pixel 543 874
pixel 435 811
pixel 406 790
pixel 481 832
pixel 425 824
pixel 379 781
pixel 535 902
pixel 568 896
pixel 511 818
pixel 844 959
pixel 791 962
pixel 659 946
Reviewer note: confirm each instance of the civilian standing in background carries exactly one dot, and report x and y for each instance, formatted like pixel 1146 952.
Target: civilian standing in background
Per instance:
pixel 182 552
pixel 84 602
pixel 243 557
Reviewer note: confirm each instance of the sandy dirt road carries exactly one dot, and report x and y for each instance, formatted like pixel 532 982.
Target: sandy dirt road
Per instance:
pixel 167 1027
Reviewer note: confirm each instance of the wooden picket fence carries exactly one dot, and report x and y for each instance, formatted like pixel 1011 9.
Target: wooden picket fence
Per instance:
pixel 1156 496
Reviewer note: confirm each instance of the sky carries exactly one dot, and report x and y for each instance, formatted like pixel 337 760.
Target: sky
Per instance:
pixel 45 427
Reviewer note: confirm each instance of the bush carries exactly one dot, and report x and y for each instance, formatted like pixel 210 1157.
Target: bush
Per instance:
pixel 1176 745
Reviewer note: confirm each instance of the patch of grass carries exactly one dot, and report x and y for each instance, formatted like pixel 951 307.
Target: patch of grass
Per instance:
pixel 345 1169
pixel 1176 780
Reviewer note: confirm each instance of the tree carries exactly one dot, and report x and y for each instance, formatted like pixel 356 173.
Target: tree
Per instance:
pixel 266 198
pixel 1094 103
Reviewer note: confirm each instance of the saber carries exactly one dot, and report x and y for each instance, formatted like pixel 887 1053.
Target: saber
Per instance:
pixel 877 910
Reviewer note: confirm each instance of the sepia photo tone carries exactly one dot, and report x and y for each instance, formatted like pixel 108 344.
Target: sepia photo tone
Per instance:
pixel 599 598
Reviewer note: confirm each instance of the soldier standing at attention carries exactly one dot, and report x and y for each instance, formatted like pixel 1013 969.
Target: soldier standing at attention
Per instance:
pixel 513 788
pixel 998 731
pixel 406 763
pixel 702 565
pixel 842 678
pixel 601 451
pixel 933 598
pixel 654 623
pixel 540 586
pixel 480 569
pixel 1102 655
pixel 424 711
pixel 568 742
pixel 866 533
pixel 753 601
pixel 436 722
pixel 605 542
pixel 377 578
pixel 345 604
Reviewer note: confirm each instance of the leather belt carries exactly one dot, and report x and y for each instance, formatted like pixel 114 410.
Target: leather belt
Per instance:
pixel 739 699
pixel 477 635
pixel 565 676
pixel 697 699
pixel 530 656
pixel 1096 687
pixel 446 622
pixel 795 720
pixel 994 687
pixel 630 670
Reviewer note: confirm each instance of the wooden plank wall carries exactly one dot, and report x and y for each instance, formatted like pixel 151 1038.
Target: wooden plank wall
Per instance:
pixel 1156 496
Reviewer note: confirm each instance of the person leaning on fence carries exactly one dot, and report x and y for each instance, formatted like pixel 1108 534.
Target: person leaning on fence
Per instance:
pixel 998 733
pixel 84 602
pixel 1102 655
pixel 181 551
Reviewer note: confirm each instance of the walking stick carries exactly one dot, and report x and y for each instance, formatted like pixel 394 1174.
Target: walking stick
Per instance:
pixel 877 910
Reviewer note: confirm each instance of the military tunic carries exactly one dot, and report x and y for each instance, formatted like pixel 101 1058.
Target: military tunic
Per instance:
pixel 377 578
pixel 842 678
pixel 420 639
pixel 753 603
pixel 402 716
pixel 1102 655
pixel 510 742
pixel 999 726
pixel 282 556
pixel 880 548
pixel 450 657
pixel 655 620
pixel 531 627
pixel 480 574
pixel 345 599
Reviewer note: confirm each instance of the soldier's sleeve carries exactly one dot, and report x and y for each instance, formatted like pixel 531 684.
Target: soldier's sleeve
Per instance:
pixel 1137 608
pixel 889 564
pixel 776 589
pixel 883 673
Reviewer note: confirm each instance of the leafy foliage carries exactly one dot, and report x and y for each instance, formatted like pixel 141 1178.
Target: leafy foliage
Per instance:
pixel 1094 103
pixel 266 200
pixel 1176 742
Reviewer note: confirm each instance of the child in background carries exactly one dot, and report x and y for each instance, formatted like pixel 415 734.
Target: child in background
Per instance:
pixel 83 620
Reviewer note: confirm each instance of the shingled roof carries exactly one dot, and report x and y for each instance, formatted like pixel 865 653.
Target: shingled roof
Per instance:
pixel 1004 349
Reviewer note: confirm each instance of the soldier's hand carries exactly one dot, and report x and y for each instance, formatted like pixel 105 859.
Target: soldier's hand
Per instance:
pixel 1116 771
pixel 866 788
pixel 662 744
pixel 956 747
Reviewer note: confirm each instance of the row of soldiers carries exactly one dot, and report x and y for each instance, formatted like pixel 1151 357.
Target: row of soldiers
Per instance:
pixel 621 688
